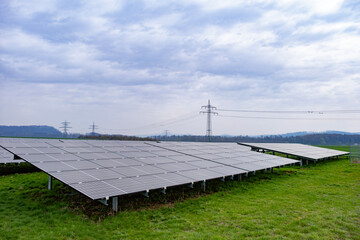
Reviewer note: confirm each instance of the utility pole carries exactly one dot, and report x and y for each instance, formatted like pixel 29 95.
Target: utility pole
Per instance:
pixel 209 111
pixel 65 126
pixel 93 127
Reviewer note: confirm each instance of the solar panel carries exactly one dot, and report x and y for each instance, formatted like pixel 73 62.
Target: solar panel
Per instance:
pixel 6 157
pixel 103 169
pixel 299 150
pixel 227 154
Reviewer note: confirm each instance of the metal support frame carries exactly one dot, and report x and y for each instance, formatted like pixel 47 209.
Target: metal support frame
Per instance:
pixel 104 201
pixel 191 185
pixel 115 204
pixel 239 177
pixel 163 190
pixel 223 179
pixel 203 185
pixel 145 193
pixel 50 183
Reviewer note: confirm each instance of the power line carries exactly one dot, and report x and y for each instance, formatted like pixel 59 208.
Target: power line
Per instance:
pixel 209 112
pixel 291 111
pixel 168 122
pixel 289 118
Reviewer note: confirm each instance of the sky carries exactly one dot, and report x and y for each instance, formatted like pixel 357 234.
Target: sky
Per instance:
pixel 146 67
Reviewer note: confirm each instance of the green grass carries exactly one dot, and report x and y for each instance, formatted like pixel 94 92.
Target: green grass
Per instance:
pixel 319 201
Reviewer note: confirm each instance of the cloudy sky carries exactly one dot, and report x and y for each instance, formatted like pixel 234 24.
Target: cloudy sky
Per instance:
pixel 143 67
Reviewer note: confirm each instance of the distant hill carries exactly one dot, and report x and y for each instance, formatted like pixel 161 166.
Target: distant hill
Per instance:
pixel 325 138
pixel 309 133
pixel 290 134
pixel 115 137
pixel 312 139
pixel 29 131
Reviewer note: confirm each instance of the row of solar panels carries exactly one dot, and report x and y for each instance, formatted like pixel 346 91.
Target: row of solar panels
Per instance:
pixel 299 150
pixel 103 169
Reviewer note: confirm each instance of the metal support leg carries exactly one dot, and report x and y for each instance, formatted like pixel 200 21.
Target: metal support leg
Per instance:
pixel 307 162
pixel 191 185
pixel 254 172
pixel 271 170
pixel 203 186
pixel 273 153
pixel 239 177
pixel 223 179
pixel 146 193
pixel 300 163
pixel 163 190
pixel 115 204
pixel 50 183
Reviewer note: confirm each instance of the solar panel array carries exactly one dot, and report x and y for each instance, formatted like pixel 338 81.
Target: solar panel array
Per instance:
pixel 6 157
pixel 228 154
pixel 299 150
pixel 102 169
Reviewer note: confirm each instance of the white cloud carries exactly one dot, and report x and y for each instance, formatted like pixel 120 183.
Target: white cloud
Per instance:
pixel 159 59
pixel 28 9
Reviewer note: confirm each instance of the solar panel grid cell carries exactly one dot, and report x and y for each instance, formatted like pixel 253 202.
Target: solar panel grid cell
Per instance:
pixel 74 177
pixel 175 167
pixel 128 185
pixel 175 178
pixel 7 157
pixel 53 166
pixel 227 171
pixel 103 173
pixel 130 171
pixel 97 189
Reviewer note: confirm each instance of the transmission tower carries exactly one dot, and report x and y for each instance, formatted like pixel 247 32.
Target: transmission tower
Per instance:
pixel 93 127
pixel 167 133
pixel 209 112
pixel 65 126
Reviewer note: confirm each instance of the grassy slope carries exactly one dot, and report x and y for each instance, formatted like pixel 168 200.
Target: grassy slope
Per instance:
pixel 313 202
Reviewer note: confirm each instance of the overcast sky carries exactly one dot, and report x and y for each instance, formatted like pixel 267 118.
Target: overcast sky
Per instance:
pixel 143 67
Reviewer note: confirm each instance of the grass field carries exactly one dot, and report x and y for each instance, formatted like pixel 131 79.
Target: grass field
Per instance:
pixel 318 201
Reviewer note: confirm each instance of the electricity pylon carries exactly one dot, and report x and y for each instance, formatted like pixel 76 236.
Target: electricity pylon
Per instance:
pixel 65 126
pixel 93 127
pixel 209 112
